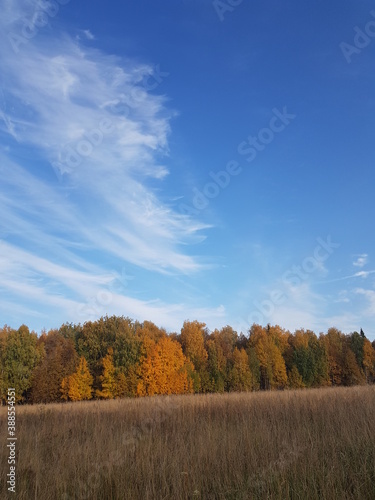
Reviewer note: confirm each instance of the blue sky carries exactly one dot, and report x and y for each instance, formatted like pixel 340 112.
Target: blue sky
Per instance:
pixel 173 160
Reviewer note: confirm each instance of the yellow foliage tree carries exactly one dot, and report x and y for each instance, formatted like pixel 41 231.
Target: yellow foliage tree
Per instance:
pixel 240 375
pixel 295 379
pixel 108 380
pixel 334 341
pixel 78 386
pixel 272 364
pixel 192 340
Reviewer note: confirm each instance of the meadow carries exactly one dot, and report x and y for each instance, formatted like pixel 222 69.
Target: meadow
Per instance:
pixel 297 444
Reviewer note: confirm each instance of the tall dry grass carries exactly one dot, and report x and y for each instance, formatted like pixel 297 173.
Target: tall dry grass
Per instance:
pixel 310 444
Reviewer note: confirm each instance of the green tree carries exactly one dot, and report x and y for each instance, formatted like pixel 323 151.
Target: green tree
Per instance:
pixel 310 358
pixel 19 354
pixel 94 339
pixel 357 341
pixel 217 365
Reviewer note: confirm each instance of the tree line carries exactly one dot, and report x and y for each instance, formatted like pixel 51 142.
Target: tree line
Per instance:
pixel 117 357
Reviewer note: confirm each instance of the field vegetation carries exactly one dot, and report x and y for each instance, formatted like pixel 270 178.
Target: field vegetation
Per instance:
pixel 297 444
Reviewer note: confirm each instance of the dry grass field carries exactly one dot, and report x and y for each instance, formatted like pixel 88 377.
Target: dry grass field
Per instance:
pixel 307 444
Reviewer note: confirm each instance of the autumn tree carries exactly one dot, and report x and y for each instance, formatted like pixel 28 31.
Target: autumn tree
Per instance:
pixel 78 386
pixel 351 372
pixel 295 380
pixel 165 370
pixel 268 348
pixel 279 336
pixel 240 375
pixel 149 335
pixel 108 385
pixel 220 345
pixel 192 341
pixel 254 366
pixel 60 360
pixel 342 360
pixel 333 341
pixel 368 361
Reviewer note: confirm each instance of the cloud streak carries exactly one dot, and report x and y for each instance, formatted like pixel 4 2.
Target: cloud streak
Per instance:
pixel 60 93
pixel 359 274
pixel 57 93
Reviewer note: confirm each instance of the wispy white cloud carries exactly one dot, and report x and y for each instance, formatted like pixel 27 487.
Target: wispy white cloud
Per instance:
pixel 290 306
pixel 61 93
pixel 347 322
pixel 300 309
pixel 359 274
pixel 370 296
pixel 83 294
pixel 342 297
pixel 361 260
pixel 88 35
pixel 85 134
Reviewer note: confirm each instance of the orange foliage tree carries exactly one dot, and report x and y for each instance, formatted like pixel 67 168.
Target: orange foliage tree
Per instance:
pixel 165 370
pixel 60 360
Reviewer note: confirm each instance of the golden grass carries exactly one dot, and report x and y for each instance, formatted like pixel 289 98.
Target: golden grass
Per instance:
pixel 310 444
